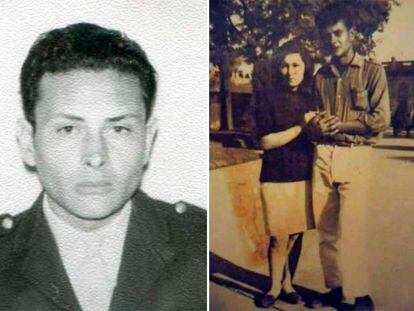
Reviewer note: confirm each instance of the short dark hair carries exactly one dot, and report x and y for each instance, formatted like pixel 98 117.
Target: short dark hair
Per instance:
pixel 292 47
pixel 84 46
pixel 332 14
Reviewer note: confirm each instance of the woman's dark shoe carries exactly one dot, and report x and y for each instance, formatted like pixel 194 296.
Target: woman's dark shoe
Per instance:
pixel 264 300
pixel 292 298
pixel 267 301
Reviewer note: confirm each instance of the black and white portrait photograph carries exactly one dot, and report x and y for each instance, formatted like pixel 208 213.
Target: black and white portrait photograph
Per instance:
pixel 104 178
pixel 311 155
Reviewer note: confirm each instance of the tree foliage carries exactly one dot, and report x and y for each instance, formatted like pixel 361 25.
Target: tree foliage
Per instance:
pixel 255 28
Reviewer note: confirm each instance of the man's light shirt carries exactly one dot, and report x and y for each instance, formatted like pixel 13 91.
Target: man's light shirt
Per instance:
pixel 91 258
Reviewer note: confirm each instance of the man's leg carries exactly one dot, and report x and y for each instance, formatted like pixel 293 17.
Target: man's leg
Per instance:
pixel 352 173
pixel 326 206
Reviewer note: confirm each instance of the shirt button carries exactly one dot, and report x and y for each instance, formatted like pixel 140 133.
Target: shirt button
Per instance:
pixel 180 207
pixel 7 223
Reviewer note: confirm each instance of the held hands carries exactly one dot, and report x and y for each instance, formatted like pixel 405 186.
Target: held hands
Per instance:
pixel 309 116
pixel 321 124
pixel 327 124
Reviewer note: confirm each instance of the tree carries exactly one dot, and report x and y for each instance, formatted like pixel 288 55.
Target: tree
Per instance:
pixel 369 16
pixel 223 37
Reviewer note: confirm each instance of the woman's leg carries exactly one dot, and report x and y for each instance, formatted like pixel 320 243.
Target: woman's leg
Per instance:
pixel 278 258
pixel 287 278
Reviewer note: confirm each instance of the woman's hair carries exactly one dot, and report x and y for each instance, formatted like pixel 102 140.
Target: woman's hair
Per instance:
pixel 294 46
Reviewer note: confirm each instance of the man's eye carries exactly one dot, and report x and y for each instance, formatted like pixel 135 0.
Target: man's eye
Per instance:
pixel 66 129
pixel 121 129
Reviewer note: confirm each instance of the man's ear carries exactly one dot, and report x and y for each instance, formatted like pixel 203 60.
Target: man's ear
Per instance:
pixel 151 134
pixel 24 135
pixel 352 33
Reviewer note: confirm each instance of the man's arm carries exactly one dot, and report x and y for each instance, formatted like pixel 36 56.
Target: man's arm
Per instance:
pixel 354 127
pixel 322 124
pixel 377 119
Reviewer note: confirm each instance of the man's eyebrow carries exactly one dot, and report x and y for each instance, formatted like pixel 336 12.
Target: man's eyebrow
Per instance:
pixel 113 119
pixel 124 116
pixel 68 116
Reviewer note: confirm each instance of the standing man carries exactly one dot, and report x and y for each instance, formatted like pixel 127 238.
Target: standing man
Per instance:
pixel 93 240
pixel 401 119
pixel 354 95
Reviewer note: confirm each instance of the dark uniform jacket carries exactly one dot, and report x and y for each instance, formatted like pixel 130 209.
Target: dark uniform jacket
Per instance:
pixel 163 263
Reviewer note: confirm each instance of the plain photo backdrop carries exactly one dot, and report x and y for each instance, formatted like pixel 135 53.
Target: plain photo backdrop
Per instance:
pixel 174 35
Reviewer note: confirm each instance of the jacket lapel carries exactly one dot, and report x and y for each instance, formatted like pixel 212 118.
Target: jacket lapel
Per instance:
pixel 146 253
pixel 43 266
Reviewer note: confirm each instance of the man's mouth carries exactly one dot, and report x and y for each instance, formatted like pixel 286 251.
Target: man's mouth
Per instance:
pixel 94 187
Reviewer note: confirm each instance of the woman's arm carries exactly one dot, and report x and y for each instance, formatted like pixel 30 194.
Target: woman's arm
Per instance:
pixel 279 139
pixel 276 140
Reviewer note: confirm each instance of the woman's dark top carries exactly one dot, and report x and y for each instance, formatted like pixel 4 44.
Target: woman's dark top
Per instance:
pixel 279 110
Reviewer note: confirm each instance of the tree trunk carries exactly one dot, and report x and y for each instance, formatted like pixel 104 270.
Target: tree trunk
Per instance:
pixel 226 113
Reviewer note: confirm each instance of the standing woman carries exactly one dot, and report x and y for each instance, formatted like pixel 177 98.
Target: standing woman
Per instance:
pixel 282 112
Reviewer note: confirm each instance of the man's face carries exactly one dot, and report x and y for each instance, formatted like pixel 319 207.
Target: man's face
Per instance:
pixel 337 39
pixel 91 140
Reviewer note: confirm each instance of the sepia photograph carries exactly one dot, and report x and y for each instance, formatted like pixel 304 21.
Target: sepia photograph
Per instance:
pixel 311 155
pixel 104 155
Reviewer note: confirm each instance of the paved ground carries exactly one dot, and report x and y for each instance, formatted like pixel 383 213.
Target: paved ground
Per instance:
pixel 391 233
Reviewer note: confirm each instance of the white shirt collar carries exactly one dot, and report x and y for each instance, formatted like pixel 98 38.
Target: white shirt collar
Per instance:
pixel 77 246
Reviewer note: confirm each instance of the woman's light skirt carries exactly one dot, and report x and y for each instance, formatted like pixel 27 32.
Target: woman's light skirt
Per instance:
pixel 287 207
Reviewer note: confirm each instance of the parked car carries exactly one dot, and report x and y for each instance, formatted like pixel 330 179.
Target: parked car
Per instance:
pixel 235 139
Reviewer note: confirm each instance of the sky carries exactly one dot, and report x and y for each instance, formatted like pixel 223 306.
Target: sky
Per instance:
pixel 398 37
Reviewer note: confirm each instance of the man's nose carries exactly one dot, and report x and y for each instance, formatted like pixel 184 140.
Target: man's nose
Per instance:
pixel 333 38
pixel 291 71
pixel 95 151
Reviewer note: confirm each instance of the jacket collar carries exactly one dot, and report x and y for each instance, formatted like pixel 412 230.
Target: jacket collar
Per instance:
pixel 146 253
pixel 42 265
pixel 357 61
